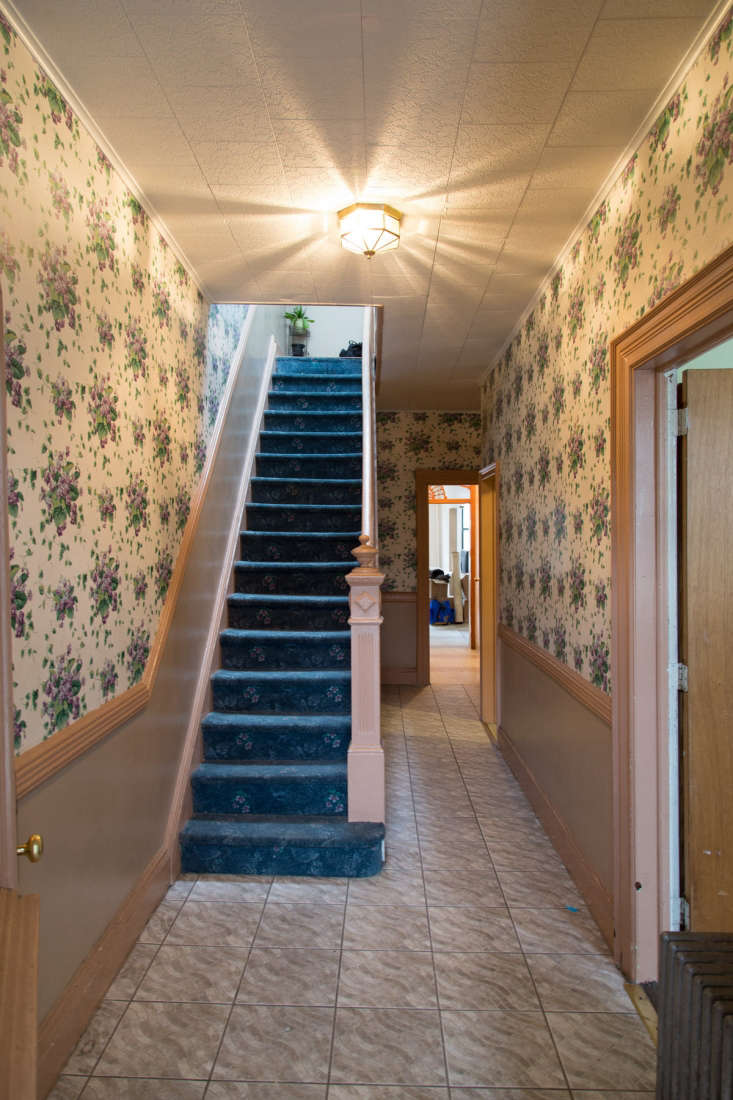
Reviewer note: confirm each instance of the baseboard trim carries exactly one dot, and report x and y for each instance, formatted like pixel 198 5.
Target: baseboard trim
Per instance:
pixel 586 693
pixel 65 1022
pixel 393 675
pixel 595 894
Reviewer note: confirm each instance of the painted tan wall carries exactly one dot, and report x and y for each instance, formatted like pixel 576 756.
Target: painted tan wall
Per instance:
pixel 568 751
pixel 104 816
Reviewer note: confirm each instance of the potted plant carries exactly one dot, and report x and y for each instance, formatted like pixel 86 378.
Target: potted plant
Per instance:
pixel 299 323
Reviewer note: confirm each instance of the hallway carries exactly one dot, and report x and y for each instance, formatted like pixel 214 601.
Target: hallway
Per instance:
pixel 467 968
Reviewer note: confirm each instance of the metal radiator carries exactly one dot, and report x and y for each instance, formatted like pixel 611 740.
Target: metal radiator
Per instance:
pixel 695 1052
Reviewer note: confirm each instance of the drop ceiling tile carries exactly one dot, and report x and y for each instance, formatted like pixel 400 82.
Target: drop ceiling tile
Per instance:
pixel 126 88
pixel 187 50
pixel 549 208
pixel 323 188
pixel 166 12
pixel 492 325
pixel 478 352
pixel 493 191
pixel 239 162
pixel 234 112
pixel 633 53
pixel 565 166
pixel 515 93
pixel 260 197
pixel 256 232
pixel 178 190
pixel 395 13
pixel 407 172
pixel 160 142
pixel 510 292
pixel 659 9
pixel 330 142
pixel 314 90
pixel 510 150
pixel 600 118
pixel 205 226
pixel 464 264
pixel 107 30
pixel 534 30
pixel 323 34
pixel 396 285
pixel 284 286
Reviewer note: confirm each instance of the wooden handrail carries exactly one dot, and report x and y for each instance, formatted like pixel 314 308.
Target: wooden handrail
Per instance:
pixel 368 510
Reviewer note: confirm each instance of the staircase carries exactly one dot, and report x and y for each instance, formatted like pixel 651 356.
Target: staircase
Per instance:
pixel 270 796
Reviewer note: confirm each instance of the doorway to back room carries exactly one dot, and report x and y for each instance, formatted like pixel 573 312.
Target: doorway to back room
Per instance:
pixel 451 552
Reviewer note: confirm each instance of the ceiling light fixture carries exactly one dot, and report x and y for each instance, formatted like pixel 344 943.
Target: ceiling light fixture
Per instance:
pixel 369 227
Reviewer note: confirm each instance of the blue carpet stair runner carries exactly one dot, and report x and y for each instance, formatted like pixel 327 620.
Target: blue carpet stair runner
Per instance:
pixel 270 797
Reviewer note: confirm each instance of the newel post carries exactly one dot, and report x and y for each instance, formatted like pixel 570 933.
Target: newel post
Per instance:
pixel 365 762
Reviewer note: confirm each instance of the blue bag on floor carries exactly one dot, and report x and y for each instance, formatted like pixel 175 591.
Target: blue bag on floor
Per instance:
pixel 434 609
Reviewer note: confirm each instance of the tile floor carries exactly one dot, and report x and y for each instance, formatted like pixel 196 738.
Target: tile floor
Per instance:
pixel 468 969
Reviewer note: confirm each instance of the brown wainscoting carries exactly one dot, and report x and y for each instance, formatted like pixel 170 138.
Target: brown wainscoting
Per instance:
pixel 586 693
pixel 596 896
pixel 65 1023
pixel 397 650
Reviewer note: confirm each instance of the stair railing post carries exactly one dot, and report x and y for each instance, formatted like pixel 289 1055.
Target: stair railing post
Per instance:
pixel 365 761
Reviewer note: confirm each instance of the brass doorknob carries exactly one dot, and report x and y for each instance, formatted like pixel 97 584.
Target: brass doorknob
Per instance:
pixel 33 848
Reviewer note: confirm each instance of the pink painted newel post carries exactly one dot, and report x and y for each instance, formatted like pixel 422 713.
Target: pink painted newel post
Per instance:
pixel 366 755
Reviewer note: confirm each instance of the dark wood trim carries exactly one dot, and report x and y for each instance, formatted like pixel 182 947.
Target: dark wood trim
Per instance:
pixel 696 316
pixel 398 597
pixel 8 858
pixel 571 681
pixel 19 921
pixel 67 1020
pixel 595 894
pixel 423 478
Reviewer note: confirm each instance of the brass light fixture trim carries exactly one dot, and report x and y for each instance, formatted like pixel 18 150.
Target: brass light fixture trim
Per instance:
pixel 367 228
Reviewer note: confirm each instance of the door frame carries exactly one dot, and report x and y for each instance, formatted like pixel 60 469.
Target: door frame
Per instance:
pixel 8 856
pixel 690 320
pixel 423 478
pixel 489 589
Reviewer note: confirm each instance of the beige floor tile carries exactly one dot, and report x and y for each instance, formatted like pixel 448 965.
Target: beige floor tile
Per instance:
pixel 535 889
pixel 471 928
pixel 215 924
pixel 484 981
pixel 578 983
pixel 235 891
pixel 161 921
pixel 67 1088
pixel 245 1090
pixel 594 1095
pixel 602 1050
pixel 276 1043
pixel 133 1088
pixel 132 973
pixel 558 931
pixel 290 977
pixel 407 1043
pixel 462 888
pixel 400 927
pixel 319 891
pixel 89 1048
pixel 387 979
pixel 393 886
pixel 508 1049
pixel 290 924
pixel 194 974
pixel 165 1040
pixel 510 1094
pixel 385 1092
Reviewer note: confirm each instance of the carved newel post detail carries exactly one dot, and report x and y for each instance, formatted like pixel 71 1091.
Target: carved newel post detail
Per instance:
pixel 366 755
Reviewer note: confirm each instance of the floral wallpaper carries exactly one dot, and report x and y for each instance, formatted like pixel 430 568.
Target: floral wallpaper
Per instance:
pixel 546 402
pixel 111 399
pixel 407 441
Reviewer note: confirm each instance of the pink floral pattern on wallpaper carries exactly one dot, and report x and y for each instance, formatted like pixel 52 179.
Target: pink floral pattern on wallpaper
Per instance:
pixel 546 401
pixel 407 441
pixel 112 389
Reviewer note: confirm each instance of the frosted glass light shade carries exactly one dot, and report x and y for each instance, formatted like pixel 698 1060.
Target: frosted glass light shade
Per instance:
pixel 369 227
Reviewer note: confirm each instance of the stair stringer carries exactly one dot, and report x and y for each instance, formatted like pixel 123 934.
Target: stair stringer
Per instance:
pixel 192 750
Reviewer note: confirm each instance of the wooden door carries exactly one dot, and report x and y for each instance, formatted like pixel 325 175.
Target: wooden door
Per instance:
pixel 488 585
pixel 706 648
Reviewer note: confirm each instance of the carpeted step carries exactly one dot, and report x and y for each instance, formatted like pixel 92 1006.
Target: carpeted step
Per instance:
pixel 275 736
pixel 312 420
pixel 276 692
pixel 317 846
pixel 303 490
pixel 321 578
pixel 317 787
pixel 303 518
pixel 282 382
pixel 331 443
pixel 293 364
pixel 295 401
pixel 292 546
pixel 285 649
pixel 309 466
pixel 254 612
